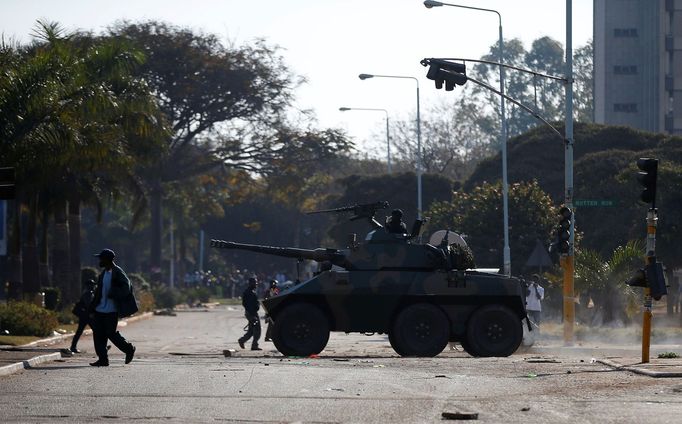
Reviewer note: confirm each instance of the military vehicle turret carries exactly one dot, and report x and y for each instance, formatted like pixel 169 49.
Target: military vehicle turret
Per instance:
pixel 422 295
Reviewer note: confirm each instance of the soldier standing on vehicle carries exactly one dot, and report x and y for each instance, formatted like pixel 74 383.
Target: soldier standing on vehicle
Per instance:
pixel 395 224
pixel 251 306
pixel 534 296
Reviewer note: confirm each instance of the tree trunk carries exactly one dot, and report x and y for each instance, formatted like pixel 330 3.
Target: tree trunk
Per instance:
pixel 60 253
pixel 156 230
pixel 75 244
pixel 15 281
pixel 182 264
pixel 30 252
pixel 43 264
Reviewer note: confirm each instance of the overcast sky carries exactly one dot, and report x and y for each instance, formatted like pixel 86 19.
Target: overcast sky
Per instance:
pixel 331 41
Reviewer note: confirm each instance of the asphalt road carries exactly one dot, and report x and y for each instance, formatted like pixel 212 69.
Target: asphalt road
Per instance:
pixel 180 375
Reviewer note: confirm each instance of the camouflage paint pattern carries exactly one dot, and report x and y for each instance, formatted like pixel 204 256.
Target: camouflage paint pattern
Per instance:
pixel 384 274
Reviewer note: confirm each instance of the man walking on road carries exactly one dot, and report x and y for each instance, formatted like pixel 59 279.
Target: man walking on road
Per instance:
pixel 251 306
pixel 112 291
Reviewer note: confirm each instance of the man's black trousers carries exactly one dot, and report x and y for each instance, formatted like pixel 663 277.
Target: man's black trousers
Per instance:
pixel 103 329
pixel 253 330
pixel 82 322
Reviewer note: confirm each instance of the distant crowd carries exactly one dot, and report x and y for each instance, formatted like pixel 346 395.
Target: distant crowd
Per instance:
pixel 232 284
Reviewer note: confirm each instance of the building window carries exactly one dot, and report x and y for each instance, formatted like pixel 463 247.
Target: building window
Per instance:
pixel 625 69
pixel 625 107
pixel 625 32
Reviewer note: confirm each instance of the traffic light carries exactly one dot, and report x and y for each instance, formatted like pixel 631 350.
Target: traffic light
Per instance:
pixel 563 232
pixel 7 187
pixel 651 276
pixel 443 72
pixel 564 229
pixel 647 177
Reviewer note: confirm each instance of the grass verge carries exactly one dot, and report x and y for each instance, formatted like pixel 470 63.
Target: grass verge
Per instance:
pixel 17 340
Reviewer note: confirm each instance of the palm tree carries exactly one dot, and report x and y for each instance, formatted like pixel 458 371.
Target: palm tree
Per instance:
pixel 96 125
pixel 603 281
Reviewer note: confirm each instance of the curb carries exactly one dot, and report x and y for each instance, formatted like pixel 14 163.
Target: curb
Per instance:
pixel 62 337
pixel 642 371
pixel 20 366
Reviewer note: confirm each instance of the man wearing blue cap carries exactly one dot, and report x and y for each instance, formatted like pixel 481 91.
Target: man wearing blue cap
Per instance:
pixel 113 289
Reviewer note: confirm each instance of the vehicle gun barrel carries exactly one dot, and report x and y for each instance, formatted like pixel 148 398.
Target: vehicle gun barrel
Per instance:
pixel 364 210
pixel 334 256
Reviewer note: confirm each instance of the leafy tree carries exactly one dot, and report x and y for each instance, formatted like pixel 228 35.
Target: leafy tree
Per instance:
pixel 604 169
pixel 454 139
pixel 88 126
pixel 477 216
pixel 603 281
pixel 204 87
pixel 583 86
pixel 458 134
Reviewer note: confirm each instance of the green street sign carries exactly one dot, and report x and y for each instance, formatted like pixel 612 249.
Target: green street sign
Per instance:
pixel 594 203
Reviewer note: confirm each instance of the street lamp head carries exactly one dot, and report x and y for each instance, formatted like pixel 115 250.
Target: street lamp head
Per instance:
pixel 344 109
pixel 430 3
pixel 365 76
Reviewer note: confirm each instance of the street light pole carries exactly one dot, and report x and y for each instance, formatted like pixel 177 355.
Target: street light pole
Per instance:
pixel 506 253
pixel 569 302
pixel 419 137
pixel 388 138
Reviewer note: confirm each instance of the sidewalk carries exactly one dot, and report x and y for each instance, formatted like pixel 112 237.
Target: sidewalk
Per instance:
pixel 621 357
pixel 17 358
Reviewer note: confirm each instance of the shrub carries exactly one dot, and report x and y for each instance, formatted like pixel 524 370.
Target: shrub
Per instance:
pixel 65 316
pixel 165 297
pixel 139 282
pixel 27 319
pixel 201 294
pixel 52 297
pixel 145 300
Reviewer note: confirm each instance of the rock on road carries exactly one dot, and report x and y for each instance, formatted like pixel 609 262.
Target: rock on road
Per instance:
pixel 180 375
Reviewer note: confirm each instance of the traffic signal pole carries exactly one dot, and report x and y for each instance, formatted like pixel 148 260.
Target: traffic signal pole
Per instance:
pixel 651 221
pixel 568 263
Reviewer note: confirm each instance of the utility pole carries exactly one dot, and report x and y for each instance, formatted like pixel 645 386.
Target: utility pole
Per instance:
pixel 568 260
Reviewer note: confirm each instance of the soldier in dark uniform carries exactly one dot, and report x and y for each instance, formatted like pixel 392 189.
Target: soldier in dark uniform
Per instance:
pixel 251 306
pixel 395 224
pixel 274 291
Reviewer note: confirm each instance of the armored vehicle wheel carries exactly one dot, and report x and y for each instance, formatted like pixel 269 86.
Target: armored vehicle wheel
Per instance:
pixel 396 348
pixel 421 329
pixel 301 329
pixel 494 330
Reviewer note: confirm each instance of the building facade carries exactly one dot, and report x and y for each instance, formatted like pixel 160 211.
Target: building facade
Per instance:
pixel 638 64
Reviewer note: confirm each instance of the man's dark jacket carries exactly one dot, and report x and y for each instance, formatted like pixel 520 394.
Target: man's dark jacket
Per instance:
pixel 121 292
pixel 250 301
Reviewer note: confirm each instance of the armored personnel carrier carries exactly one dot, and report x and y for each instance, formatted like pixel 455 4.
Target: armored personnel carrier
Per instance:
pixel 421 295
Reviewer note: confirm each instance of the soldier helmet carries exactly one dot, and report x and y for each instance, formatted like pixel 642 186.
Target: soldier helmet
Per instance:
pixel 397 213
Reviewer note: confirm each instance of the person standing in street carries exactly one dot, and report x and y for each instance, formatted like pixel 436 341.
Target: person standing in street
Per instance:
pixel 111 300
pixel 251 306
pixel 534 296
pixel 82 311
pixel 273 291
